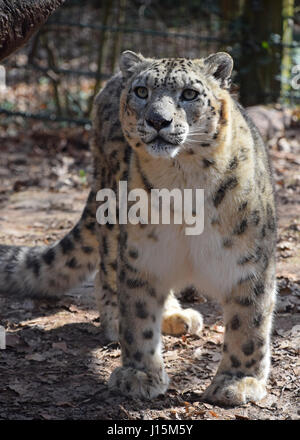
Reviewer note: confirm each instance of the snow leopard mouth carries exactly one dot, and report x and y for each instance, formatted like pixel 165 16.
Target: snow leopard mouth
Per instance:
pixel 161 147
pixel 160 142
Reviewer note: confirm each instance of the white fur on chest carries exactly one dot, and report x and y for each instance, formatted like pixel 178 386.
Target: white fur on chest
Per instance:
pixel 215 269
pixel 179 260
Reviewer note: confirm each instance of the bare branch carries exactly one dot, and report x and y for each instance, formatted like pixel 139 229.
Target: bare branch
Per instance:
pixel 19 19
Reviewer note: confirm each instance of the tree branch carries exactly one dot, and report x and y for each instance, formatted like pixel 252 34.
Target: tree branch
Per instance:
pixel 19 19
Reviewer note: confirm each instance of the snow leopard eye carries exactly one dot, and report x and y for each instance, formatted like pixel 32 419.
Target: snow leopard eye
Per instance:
pixel 141 92
pixel 189 94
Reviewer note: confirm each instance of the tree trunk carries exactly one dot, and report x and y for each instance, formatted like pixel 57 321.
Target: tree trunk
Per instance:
pixel 19 19
pixel 259 64
pixel 287 40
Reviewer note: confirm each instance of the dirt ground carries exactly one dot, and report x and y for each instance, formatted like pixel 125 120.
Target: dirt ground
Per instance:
pixel 55 365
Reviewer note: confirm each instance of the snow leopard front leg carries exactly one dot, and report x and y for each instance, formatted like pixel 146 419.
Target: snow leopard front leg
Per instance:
pixel 106 281
pixel 141 301
pixel 244 368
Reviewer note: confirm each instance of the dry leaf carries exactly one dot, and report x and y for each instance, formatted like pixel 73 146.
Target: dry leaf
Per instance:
pixel 170 355
pixel 18 388
pixel 197 353
pixel 12 340
pixel 187 407
pixel 214 414
pixel 69 404
pixel 60 345
pixel 240 417
pixel 218 328
pixel 35 357
pixel 46 416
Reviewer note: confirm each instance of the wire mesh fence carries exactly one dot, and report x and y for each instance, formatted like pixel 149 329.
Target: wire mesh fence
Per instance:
pixel 56 76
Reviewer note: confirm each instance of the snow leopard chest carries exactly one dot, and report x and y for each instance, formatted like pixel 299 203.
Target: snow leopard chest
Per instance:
pixel 202 260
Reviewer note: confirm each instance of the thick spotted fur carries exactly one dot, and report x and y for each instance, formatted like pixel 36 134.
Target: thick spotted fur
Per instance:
pixel 172 123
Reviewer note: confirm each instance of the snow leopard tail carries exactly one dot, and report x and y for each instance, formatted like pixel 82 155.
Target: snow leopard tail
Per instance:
pixel 52 270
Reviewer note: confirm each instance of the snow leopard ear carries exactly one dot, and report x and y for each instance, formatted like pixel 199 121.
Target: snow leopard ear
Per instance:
pixel 219 65
pixel 128 61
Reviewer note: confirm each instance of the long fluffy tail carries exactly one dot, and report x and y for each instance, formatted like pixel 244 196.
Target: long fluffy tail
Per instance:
pixel 52 270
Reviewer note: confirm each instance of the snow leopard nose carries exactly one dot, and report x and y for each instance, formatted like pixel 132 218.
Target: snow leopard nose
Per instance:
pixel 157 121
